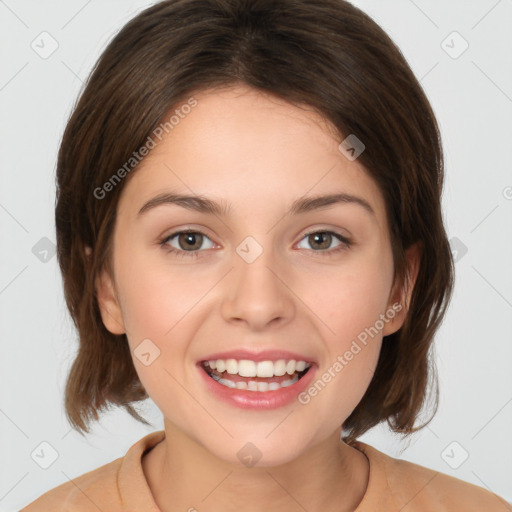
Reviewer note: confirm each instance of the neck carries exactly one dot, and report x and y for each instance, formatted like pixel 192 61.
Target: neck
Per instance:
pixel 182 475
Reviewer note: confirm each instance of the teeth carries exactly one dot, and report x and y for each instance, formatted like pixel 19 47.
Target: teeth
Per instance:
pixel 231 366
pixel 248 368
pixel 226 382
pixel 252 385
pixel 280 368
pixel 265 369
pixel 262 386
pixel 287 383
pixel 300 366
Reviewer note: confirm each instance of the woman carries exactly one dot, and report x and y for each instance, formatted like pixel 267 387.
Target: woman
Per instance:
pixel 250 233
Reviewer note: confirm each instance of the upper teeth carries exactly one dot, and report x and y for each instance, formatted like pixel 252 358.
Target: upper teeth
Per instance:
pixel 248 368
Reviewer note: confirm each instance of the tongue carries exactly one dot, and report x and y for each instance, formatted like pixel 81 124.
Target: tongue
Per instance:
pixel 238 378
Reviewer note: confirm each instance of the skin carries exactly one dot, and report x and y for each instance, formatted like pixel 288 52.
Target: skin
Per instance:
pixel 258 153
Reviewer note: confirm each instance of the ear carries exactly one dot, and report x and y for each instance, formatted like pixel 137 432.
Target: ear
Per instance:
pixel 399 294
pixel 108 303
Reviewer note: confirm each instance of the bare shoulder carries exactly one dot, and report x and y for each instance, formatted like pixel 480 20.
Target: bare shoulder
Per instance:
pixel 91 491
pixel 417 488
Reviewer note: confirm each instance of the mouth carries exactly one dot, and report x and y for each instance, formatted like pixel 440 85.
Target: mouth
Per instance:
pixel 256 376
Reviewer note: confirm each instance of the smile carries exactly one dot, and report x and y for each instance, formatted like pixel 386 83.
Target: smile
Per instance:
pixel 257 376
pixel 257 380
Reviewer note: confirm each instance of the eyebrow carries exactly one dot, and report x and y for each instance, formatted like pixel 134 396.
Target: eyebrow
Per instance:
pixel 203 204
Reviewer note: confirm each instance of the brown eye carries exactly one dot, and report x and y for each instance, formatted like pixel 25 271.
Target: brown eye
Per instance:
pixel 185 243
pixel 321 241
pixel 190 241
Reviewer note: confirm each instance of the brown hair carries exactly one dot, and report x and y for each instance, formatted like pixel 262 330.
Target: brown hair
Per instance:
pixel 327 54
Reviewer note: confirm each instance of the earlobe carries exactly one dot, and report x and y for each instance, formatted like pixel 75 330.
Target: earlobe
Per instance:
pixel 401 295
pixel 108 304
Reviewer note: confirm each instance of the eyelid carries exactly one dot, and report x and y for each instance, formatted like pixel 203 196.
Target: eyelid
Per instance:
pixel 184 229
pixel 323 228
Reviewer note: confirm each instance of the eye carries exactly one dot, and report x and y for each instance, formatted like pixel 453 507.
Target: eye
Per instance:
pixel 188 242
pixel 323 239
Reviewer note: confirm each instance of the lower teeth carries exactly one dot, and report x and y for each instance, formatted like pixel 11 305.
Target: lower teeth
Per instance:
pixel 254 385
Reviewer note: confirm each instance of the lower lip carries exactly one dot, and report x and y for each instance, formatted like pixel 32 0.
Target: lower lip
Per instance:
pixel 258 399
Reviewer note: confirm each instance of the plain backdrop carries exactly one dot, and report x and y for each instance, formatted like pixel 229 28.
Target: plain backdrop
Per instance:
pixel 461 52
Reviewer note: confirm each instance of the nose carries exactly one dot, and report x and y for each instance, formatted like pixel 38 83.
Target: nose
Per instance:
pixel 257 293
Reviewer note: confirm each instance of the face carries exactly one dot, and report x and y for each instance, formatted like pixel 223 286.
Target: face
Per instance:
pixel 256 283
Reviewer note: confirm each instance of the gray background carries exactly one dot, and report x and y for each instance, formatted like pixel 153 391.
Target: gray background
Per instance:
pixel 471 93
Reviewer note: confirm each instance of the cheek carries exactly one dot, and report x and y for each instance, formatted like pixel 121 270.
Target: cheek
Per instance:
pixel 362 294
pixel 146 307
pixel 351 297
pixel 160 303
pixel 156 296
pixel 155 305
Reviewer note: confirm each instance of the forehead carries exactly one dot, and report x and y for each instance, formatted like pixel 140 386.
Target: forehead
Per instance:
pixel 248 148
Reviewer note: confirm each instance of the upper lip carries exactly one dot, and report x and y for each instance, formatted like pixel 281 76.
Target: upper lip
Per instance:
pixel 263 355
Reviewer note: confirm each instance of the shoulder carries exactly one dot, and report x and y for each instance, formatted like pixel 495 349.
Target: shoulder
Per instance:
pixel 85 493
pixel 416 488
pixel 117 486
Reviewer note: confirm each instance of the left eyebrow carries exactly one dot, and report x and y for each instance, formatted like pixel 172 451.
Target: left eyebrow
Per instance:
pixel 206 205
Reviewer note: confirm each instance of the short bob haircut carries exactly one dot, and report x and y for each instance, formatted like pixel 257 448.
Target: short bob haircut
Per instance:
pixel 325 54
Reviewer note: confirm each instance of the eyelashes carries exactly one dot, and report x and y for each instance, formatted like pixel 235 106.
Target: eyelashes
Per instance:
pixel 179 252
pixel 345 243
